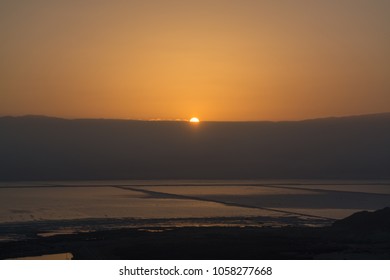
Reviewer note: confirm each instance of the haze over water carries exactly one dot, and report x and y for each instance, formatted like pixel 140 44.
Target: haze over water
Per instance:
pixel 68 207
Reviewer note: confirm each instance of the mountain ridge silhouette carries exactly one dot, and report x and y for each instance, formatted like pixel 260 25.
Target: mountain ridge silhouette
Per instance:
pixel 47 148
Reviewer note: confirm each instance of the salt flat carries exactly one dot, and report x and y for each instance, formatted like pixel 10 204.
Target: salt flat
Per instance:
pixel 80 202
pixel 334 201
pixel 52 206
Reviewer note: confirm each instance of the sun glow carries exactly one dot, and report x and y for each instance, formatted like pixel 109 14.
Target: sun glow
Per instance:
pixel 194 120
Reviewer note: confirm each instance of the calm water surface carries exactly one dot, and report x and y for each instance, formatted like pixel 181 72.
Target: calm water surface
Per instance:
pixel 81 206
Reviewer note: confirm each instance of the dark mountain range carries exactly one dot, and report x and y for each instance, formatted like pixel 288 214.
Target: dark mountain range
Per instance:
pixel 44 148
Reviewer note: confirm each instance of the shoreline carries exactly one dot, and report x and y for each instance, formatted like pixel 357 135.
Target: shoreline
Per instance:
pixel 207 243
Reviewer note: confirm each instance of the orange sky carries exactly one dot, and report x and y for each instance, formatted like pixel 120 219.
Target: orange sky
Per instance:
pixel 174 59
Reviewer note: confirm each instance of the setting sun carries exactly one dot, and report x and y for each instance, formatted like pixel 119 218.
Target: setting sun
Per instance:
pixel 194 120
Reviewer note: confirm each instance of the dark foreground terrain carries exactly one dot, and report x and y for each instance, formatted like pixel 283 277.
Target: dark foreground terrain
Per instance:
pixel 361 236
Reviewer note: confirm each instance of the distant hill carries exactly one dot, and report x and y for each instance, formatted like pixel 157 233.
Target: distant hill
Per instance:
pixel 364 221
pixel 44 148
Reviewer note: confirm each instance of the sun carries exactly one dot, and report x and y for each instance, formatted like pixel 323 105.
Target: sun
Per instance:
pixel 194 120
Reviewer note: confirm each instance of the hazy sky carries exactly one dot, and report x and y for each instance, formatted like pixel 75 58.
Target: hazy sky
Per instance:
pixel 217 60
